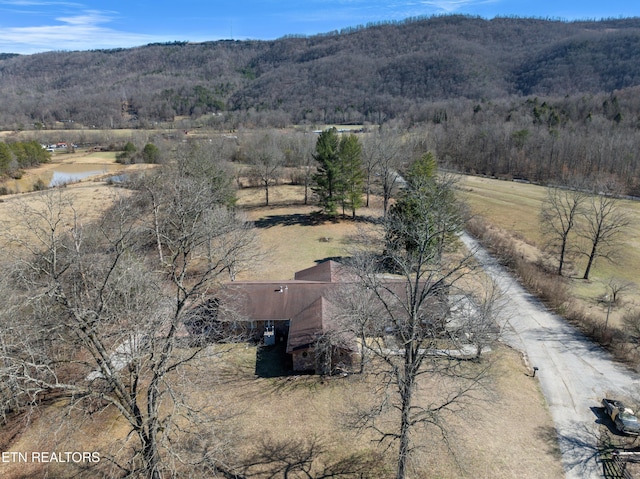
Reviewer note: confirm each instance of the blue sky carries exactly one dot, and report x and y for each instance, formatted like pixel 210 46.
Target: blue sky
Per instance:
pixel 30 26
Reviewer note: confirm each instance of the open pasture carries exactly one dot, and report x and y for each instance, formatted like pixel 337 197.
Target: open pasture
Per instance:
pixel 514 208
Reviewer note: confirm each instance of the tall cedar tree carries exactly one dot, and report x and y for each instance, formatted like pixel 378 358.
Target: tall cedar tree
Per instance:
pixel 422 185
pixel 328 178
pixel 352 173
pixel 340 177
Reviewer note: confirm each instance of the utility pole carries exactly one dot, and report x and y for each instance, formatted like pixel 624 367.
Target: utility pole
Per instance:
pixel 606 321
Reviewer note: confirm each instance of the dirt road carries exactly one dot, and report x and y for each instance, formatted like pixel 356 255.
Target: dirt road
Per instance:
pixel 574 373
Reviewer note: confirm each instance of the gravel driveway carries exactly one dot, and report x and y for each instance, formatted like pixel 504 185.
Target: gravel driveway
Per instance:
pixel 574 373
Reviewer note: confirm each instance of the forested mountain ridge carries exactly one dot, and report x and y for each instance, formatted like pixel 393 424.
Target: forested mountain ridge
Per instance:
pixel 362 74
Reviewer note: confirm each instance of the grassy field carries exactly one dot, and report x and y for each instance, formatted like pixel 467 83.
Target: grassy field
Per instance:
pixel 514 208
pixel 292 236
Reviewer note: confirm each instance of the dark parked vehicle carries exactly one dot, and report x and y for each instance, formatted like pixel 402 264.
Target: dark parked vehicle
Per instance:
pixel 623 418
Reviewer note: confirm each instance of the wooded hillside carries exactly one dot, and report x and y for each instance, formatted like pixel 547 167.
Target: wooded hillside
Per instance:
pixel 361 74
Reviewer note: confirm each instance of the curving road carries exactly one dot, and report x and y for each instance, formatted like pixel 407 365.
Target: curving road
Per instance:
pixel 574 373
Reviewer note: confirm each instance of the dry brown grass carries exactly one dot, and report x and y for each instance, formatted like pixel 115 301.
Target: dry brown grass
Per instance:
pixel 295 236
pixel 506 432
pixel 535 274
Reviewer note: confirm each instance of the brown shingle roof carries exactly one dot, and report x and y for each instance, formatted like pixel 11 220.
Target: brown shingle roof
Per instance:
pixel 282 300
pixel 327 271
pixel 306 326
pixel 302 301
pixel 310 324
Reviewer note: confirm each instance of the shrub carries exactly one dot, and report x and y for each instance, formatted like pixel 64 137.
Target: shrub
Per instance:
pixel 39 185
pixel 150 153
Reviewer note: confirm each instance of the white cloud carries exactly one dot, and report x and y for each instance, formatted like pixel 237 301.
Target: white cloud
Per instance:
pixel 79 32
pixel 454 5
pixel 90 17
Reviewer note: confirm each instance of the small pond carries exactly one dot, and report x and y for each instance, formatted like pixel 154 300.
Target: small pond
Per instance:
pixel 61 175
pixel 64 177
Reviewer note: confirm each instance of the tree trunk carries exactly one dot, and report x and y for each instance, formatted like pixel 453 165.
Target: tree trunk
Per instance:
pixel 151 458
pixel 363 339
pixel 149 434
pixel 592 257
pixel 562 252
pixel 405 426
pixel 156 223
pixel 403 452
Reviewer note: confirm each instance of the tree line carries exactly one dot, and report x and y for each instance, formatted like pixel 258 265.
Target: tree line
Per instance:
pixel 538 139
pixel 541 140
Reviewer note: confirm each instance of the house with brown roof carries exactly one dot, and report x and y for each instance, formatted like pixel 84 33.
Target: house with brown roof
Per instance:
pixel 298 311
pixel 299 315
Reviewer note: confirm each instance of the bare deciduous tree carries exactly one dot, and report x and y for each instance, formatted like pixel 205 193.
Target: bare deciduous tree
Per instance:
pixel 266 159
pixel 299 153
pixel 383 156
pixel 357 312
pixel 412 282
pixel 558 217
pixel 615 286
pixel 97 315
pixel 604 223
pixel 475 315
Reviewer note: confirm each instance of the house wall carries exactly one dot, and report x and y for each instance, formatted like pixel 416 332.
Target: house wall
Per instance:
pixel 304 360
pixel 345 360
pixel 341 359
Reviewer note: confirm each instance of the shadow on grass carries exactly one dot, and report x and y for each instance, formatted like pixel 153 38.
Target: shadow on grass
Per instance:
pixel 310 459
pixel 313 219
pixel 273 361
pixel 549 435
